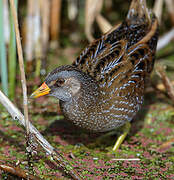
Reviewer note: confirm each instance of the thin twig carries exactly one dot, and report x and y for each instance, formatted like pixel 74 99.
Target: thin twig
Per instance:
pixel 161 86
pixel 21 64
pixel 167 144
pixel 18 172
pixel 168 85
pixel 17 115
pixel 23 81
pixel 131 159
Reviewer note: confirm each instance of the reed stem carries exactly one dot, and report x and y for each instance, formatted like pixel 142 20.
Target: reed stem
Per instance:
pixel 3 55
pixel 21 64
pixel 12 57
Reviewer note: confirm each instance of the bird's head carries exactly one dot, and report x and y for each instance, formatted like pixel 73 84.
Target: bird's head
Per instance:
pixel 64 83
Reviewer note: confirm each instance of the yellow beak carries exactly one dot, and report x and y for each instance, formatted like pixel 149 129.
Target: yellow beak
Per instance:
pixel 41 91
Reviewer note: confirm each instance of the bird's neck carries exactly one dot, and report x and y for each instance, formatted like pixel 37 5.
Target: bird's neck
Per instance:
pixel 87 98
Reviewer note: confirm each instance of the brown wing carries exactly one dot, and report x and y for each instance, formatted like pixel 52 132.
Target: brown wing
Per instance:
pixel 100 56
pixel 138 61
pixel 114 55
pixel 122 59
pixel 128 76
pixel 124 85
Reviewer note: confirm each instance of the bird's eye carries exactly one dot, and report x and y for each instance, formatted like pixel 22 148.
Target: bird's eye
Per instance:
pixel 60 82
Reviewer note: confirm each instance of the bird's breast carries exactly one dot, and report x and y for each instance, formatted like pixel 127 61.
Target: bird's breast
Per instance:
pixel 103 115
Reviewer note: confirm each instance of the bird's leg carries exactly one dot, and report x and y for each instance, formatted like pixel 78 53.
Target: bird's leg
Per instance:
pixel 121 138
pixel 102 139
pixel 124 129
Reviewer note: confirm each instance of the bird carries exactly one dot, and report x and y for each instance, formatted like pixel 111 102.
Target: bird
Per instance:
pixel 103 89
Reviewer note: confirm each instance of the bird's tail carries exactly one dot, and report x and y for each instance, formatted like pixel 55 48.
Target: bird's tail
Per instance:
pixel 138 11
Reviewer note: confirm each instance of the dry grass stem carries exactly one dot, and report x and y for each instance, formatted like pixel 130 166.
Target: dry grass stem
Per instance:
pixel 167 83
pixel 21 64
pixel 132 159
pixel 30 27
pixel 18 172
pixel 165 39
pixel 161 86
pixel 72 9
pixel 92 9
pixel 17 115
pixel 55 21
pixel 158 9
pixel 104 25
pixel 170 8
pixel 45 13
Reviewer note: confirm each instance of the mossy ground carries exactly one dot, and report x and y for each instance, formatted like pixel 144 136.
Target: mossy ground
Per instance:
pixel 151 129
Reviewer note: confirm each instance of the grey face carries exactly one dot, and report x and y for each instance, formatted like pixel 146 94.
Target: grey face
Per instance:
pixel 64 83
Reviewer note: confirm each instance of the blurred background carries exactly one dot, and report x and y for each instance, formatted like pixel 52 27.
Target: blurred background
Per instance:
pixel 53 32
